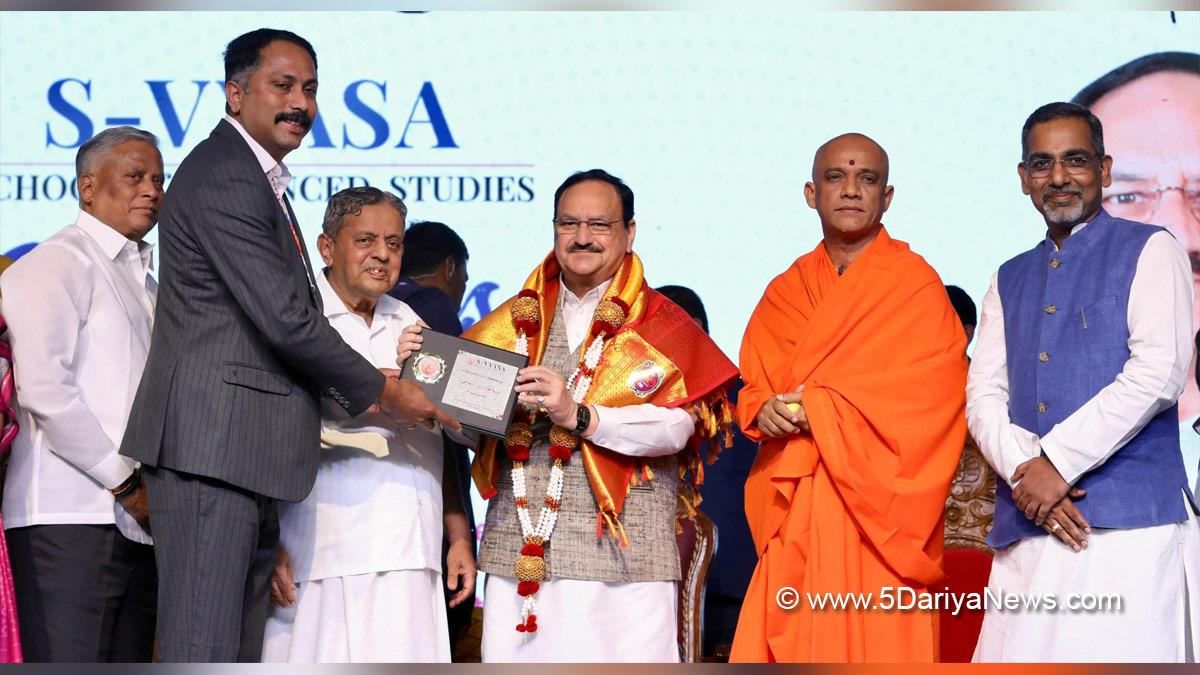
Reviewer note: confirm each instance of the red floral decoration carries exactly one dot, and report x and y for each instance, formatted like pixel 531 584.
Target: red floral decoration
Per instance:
pixel 526 312
pixel 517 441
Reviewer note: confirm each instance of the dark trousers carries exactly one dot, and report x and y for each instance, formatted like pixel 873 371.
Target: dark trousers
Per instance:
pixel 215 545
pixel 85 593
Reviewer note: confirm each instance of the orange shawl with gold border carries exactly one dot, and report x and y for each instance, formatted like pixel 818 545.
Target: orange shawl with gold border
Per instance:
pixel 659 356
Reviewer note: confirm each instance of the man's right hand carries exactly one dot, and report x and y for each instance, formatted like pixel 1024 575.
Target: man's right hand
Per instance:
pixel 407 403
pixel 135 503
pixel 410 341
pixel 776 419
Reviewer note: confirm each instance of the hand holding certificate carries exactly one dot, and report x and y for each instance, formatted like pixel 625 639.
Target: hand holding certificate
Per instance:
pixel 473 381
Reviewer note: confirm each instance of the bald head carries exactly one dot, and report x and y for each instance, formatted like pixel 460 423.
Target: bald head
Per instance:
pixel 854 150
pixel 849 188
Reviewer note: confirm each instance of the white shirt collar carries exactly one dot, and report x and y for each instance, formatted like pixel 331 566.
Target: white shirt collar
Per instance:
pixel 592 296
pixel 277 170
pixel 385 306
pixel 111 242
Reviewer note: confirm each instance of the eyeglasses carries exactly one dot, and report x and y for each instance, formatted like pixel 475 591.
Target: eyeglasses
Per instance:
pixel 1074 164
pixel 597 227
pixel 1141 205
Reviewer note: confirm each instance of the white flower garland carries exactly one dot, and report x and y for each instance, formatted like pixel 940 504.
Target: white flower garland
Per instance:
pixel 578 385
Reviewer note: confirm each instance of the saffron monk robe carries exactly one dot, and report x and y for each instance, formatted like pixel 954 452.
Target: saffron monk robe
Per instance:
pixel 854 363
pixel 625 396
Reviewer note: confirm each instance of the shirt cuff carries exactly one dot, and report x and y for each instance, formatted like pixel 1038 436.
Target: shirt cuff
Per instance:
pixel 608 427
pixel 112 471
pixel 1057 457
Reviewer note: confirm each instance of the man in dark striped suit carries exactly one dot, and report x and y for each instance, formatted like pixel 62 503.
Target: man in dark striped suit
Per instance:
pixel 226 419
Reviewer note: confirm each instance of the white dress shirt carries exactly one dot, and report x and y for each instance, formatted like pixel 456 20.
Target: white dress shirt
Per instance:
pixel 80 308
pixel 645 430
pixel 1160 346
pixel 367 514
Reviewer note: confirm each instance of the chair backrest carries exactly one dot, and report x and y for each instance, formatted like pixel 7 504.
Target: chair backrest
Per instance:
pixel 971 502
pixel 967 571
pixel 696 537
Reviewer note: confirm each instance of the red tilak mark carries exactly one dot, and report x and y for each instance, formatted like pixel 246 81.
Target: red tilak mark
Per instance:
pixel 851 162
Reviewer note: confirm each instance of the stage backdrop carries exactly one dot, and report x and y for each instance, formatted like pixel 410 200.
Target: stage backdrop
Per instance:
pixel 712 119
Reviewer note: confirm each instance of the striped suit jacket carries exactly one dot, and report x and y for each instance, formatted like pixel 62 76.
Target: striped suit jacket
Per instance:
pixel 241 351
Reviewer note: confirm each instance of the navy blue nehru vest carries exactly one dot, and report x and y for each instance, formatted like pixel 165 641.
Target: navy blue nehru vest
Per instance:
pixel 1066 333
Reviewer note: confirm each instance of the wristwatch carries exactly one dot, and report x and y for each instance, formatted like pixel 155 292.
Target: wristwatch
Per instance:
pixel 583 418
pixel 129 485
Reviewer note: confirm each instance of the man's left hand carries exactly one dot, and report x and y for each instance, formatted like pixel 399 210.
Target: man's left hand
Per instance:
pixel 460 571
pixel 1039 488
pixel 538 386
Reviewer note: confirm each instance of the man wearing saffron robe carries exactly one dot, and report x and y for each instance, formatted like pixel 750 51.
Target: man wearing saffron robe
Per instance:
pixel 623 397
pixel 854 363
pixel 1083 351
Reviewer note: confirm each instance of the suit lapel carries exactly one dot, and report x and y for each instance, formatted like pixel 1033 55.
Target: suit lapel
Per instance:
pixel 230 135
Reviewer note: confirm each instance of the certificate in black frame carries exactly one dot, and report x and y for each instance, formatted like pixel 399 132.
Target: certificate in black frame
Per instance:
pixel 476 375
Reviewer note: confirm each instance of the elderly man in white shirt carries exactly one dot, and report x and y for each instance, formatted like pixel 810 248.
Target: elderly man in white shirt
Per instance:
pixel 79 309
pixel 358 577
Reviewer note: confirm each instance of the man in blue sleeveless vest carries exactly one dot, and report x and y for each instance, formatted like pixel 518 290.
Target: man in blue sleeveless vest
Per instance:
pixel 1082 353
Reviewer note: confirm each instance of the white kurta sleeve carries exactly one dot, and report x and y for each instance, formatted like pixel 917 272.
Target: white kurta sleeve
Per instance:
pixel 1005 445
pixel 1160 351
pixel 45 309
pixel 644 430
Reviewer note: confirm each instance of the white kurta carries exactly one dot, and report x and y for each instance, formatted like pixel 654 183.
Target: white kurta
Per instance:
pixel 366 542
pixel 80 311
pixel 582 621
pixel 1154 570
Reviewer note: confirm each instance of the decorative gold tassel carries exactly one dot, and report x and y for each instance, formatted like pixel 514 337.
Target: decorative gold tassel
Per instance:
pixel 714 420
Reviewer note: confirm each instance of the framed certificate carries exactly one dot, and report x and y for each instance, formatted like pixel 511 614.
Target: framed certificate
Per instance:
pixel 472 382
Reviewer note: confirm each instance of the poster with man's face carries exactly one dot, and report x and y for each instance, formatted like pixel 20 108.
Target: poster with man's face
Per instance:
pixel 1151 117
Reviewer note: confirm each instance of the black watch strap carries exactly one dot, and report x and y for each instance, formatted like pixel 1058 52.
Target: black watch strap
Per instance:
pixel 583 418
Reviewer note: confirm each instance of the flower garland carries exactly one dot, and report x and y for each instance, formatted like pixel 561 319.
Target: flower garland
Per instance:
pixel 530 567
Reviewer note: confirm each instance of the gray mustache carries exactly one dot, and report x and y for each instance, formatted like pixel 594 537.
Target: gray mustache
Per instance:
pixel 1072 190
